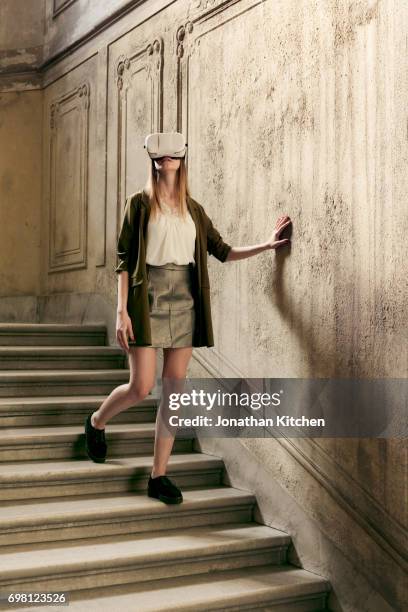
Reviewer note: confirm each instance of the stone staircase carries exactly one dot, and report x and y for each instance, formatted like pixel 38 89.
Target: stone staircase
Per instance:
pixel 68 524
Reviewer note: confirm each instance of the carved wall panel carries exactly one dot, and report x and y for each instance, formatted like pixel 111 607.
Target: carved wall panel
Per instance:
pixel 68 172
pixel 139 112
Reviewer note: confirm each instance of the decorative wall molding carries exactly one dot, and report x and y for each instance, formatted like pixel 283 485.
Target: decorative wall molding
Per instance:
pixel 351 496
pixel 184 49
pixel 69 130
pixel 205 4
pixel 106 22
pixel 58 6
pixel 101 112
pixel 149 62
pixel 189 36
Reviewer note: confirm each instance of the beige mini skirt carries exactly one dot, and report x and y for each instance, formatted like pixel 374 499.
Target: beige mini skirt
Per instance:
pixel 171 305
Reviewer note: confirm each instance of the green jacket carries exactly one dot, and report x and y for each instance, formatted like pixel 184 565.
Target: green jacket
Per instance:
pixel 131 252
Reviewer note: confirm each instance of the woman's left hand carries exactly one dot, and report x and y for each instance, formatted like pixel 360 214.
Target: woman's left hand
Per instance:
pixel 281 223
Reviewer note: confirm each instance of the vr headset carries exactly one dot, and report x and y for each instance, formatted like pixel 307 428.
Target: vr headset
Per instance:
pixel 161 144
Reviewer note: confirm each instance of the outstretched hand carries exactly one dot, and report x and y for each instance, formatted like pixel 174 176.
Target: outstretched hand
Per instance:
pixel 280 225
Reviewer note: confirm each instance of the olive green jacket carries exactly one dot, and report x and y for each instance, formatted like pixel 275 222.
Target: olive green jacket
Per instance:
pixel 131 253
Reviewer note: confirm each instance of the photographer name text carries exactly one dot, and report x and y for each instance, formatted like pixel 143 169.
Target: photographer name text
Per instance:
pixel 248 421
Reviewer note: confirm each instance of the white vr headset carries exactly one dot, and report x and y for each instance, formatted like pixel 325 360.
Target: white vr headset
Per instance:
pixel 161 144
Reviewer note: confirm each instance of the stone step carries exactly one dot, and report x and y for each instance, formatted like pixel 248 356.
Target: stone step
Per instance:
pixel 67 410
pixel 282 588
pixel 36 334
pixel 72 518
pixel 69 524
pixel 61 357
pixel 51 479
pixel 124 559
pixel 68 442
pixel 14 383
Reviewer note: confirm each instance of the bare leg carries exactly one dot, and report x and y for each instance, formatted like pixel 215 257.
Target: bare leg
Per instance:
pixel 142 361
pixel 175 363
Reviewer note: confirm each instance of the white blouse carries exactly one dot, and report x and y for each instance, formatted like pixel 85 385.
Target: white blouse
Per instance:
pixel 170 238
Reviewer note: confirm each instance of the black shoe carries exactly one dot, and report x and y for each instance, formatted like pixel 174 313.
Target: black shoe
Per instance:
pixel 95 442
pixel 162 488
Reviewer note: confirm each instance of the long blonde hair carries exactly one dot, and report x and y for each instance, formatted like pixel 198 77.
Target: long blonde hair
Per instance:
pixel 182 188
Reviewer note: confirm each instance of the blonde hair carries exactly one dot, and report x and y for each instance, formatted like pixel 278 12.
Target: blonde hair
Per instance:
pixel 182 188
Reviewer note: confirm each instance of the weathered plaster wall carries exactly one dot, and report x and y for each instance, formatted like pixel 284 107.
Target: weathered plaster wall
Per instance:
pixel 21 46
pixel 288 107
pixel 20 192
pixel 21 35
pixel 68 21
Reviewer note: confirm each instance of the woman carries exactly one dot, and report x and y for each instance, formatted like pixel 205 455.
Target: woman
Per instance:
pixel 163 295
